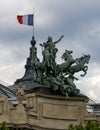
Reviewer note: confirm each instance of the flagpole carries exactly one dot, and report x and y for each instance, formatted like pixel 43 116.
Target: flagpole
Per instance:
pixel 33 42
pixel 33 22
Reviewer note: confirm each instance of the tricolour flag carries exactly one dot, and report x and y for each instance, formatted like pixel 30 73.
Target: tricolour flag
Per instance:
pixel 26 19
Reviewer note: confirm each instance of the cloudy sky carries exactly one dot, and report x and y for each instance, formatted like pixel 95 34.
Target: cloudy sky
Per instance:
pixel 77 20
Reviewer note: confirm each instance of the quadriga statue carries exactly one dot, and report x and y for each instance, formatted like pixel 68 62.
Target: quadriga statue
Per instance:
pixel 58 78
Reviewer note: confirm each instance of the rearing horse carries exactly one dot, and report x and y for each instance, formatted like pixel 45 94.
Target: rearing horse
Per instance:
pixel 80 65
pixel 68 61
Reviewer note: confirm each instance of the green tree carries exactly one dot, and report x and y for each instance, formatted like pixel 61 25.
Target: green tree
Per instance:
pixel 3 126
pixel 89 126
pixel 79 127
pixel 71 127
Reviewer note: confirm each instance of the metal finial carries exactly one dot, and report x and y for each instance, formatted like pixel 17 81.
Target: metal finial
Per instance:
pixel 33 42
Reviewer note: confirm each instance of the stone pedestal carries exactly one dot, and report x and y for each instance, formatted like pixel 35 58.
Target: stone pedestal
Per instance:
pixel 56 112
pixel 45 112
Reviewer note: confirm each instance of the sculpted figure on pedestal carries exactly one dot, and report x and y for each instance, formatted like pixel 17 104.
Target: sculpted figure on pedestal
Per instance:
pixel 20 95
pixel 58 77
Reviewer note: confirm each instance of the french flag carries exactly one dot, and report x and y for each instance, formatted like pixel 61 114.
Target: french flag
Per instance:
pixel 26 19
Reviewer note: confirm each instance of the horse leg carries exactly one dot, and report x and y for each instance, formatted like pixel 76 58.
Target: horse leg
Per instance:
pixel 85 70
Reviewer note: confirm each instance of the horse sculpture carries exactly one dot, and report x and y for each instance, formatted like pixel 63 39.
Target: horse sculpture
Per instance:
pixel 68 62
pixel 80 65
pixel 56 78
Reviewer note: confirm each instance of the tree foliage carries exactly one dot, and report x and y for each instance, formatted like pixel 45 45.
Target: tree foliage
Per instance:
pixel 89 126
pixel 3 126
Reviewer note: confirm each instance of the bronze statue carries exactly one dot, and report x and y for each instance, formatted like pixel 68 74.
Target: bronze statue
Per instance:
pixel 49 52
pixel 58 77
pixel 80 65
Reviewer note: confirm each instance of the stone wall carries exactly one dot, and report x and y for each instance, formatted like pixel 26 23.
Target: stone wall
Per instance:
pixel 45 112
pixel 56 112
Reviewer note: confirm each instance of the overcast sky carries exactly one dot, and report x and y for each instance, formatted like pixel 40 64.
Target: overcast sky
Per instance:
pixel 77 20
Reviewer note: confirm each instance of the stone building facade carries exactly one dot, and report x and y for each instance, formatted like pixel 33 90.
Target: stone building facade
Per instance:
pixel 45 112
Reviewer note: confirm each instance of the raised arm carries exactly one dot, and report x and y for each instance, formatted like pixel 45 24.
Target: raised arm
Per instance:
pixel 59 39
pixel 43 45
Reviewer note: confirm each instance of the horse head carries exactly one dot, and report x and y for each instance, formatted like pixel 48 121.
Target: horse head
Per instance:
pixel 66 54
pixel 86 58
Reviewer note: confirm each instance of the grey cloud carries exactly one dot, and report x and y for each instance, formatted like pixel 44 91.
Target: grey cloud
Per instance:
pixel 77 20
